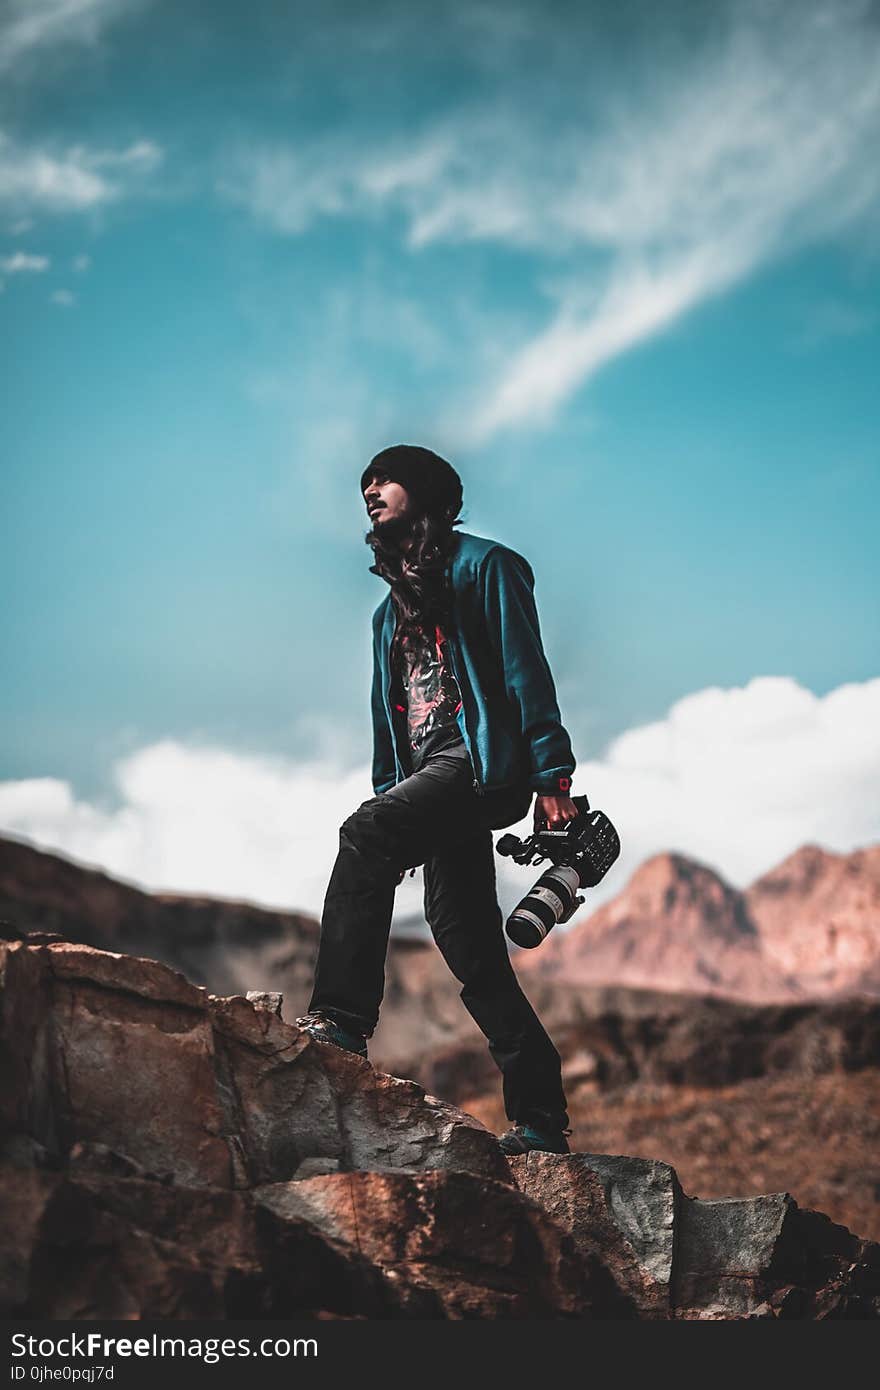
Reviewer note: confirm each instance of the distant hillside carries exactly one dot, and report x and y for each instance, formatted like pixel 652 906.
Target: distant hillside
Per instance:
pixel 809 929
pixel 818 915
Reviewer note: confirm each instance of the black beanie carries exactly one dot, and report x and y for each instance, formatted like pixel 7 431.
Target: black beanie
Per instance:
pixel 427 477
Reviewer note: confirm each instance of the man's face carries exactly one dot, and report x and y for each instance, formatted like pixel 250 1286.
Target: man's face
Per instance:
pixel 389 505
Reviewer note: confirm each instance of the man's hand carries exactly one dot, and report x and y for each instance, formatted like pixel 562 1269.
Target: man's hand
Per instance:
pixel 554 811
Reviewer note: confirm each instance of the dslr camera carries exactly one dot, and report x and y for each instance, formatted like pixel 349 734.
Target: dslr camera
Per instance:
pixel 581 855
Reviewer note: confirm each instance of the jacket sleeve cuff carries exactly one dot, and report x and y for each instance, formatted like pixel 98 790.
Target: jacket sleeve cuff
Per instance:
pixel 551 783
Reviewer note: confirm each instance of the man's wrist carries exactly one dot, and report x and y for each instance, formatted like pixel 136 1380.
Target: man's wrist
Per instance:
pixel 553 786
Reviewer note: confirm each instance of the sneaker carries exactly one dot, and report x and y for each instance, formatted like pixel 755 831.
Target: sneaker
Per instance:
pixel 521 1139
pixel 325 1030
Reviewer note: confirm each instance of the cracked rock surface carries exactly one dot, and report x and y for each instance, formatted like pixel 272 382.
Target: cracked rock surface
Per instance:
pixel 168 1153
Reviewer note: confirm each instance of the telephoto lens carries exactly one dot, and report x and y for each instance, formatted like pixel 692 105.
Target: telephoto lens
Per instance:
pixel 553 899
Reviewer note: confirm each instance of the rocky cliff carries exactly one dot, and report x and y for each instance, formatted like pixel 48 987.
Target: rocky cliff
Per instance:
pixel 738 1096
pixel 171 1153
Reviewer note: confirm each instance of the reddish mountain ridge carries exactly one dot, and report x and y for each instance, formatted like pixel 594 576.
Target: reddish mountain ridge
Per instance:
pixel 808 929
pixel 818 915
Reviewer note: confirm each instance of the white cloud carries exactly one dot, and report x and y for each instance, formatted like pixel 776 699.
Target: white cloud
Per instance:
pixel 740 778
pixel 81 263
pixel 75 180
pixel 63 297
pixel 737 778
pixel 202 820
pixel 30 25
pixel 22 262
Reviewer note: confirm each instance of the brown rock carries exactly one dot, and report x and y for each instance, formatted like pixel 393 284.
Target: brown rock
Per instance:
pixel 104 1049
pixel 485 1249
pixel 128 974
pixel 266 999
pixel 621 1213
pixel 137 1074
pixel 680 1257
pixel 24 1193
pixel 764 1257
pixel 134 1105
pixel 92 1246
pixel 293 1099
pixel 27 1056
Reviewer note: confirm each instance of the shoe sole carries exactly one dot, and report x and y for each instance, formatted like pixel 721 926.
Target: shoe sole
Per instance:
pixel 319 1037
pixel 518 1153
pixel 532 1149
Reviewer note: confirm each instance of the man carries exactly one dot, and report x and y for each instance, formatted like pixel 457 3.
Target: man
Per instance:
pixel 466 728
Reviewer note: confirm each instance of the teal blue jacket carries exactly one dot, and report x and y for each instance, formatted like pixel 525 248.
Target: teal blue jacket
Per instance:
pixel 509 717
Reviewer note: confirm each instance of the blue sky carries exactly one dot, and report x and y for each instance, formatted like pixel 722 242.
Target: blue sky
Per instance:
pixel 620 264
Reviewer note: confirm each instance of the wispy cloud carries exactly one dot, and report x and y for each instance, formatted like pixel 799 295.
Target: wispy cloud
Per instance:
pixel 65 298
pixel 830 320
pixel 754 141
pixel 29 25
pixel 75 180
pixel 23 263
pixel 639 300
pixel 737 778
pixel 761 151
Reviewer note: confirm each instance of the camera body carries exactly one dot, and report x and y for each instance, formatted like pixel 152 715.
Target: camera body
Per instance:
pixel 581 855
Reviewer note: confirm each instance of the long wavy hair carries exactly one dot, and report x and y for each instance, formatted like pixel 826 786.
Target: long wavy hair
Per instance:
pixel 420 592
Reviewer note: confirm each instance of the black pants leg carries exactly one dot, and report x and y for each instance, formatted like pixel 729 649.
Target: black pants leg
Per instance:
pixel 436 818
pixel 462 911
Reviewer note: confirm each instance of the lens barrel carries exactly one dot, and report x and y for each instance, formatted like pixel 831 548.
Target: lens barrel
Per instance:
pixel 550 901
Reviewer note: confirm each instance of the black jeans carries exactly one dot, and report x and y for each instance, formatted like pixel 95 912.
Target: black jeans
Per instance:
pixel 436 818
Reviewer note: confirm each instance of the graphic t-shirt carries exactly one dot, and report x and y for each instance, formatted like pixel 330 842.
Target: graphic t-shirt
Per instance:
pixel 431 695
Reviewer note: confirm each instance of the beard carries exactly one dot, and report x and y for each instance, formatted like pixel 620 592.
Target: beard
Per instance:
pixel 393 530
